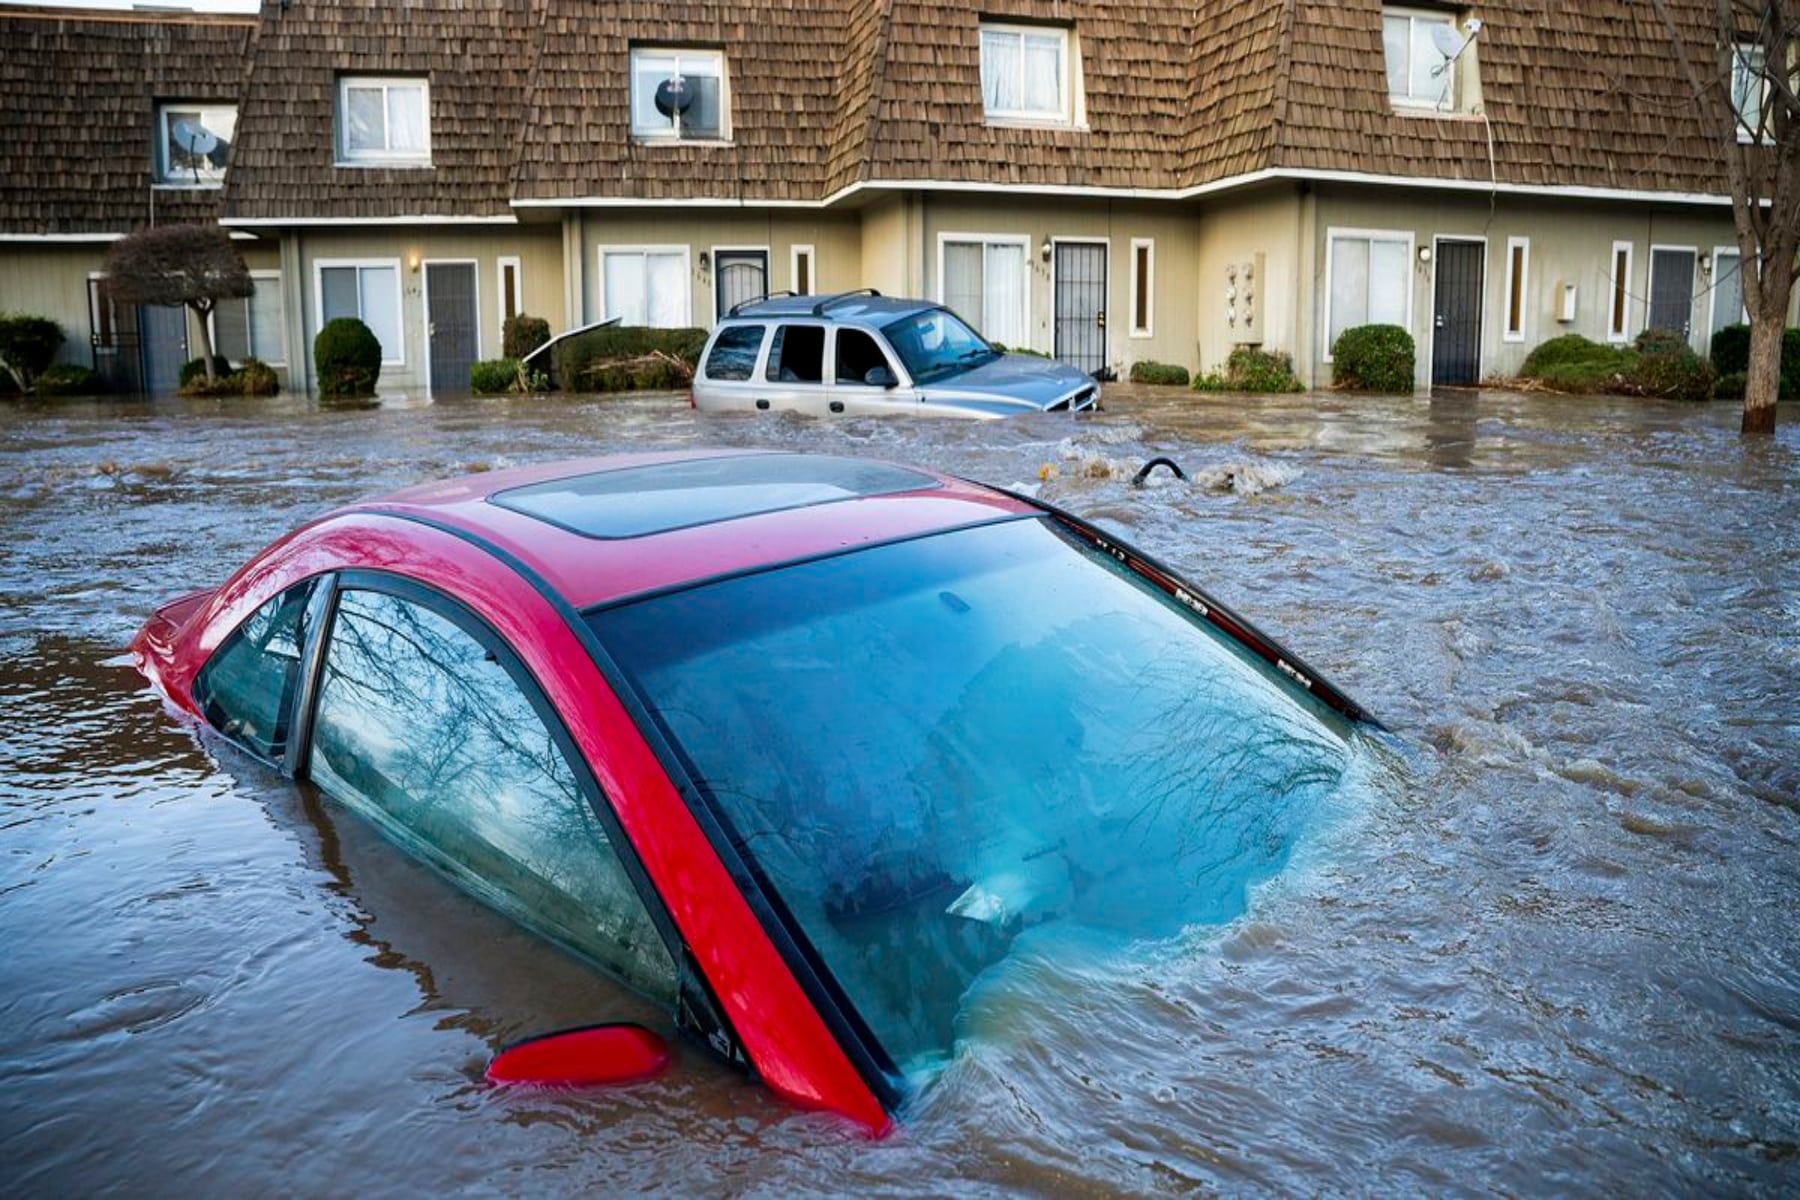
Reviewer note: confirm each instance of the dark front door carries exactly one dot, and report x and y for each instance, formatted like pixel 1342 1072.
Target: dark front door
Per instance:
pixel 113 335
pixel 450 324
pixel 743 275
pixel 1456 315
pixel 1081 305
pixel 1672 291
pixel 164 330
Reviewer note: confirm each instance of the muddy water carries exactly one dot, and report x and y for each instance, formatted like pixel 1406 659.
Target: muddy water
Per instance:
pixel 1549 945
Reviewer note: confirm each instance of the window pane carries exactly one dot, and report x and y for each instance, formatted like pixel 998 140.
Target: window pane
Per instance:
pixel 338 293
pixel 1621 269
pixel 1390 275
pixel 1001 70
pixel 380 288
pixel 268 335
pixel 1747 89
pixel 857 355
pixel 703 117
pixel 509 291
pixel 1395 37
pixel 1003 293
pixel 231 329
pixel 407 120
pixel 1515 292
pixel 1140 312
pixel 1349 286
pixel 246 688
pixel 1044 75
pixel 803 274
pixel 1728 291
pixel 666 282
pixel 647 72
pixel 365 121
pixel 962 279
pixel 797 355
pixel 196 141
pixel 421 730
pixel 623 279
pixel 1426 58
pixel 733 355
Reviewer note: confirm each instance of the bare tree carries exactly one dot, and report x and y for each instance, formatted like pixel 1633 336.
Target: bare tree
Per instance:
pixel 195 265
pixel 1738 62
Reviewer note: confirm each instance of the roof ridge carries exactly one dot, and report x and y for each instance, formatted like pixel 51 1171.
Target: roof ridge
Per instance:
pixel 871 101
pixel 1284 78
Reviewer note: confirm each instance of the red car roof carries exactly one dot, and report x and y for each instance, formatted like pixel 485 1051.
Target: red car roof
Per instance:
pixel 701 525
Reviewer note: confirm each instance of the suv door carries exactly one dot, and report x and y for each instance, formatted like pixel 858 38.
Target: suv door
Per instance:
pixel 795 377
pixel 730 367
pixel 855 353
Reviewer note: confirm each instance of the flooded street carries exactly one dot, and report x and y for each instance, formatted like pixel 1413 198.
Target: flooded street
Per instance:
pixel 1548 945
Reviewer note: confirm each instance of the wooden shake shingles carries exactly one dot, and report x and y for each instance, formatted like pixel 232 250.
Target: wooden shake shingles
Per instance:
pixel 78 99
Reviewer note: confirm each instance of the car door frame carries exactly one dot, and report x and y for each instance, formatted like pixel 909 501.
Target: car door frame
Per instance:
pixel 862 399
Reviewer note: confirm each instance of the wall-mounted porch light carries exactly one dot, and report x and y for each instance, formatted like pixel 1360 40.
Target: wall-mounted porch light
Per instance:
pixel 1044 250
pixel 1424 254
pixel 413 262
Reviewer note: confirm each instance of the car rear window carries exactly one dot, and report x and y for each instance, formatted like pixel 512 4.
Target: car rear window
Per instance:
pixel 798 354
pixel 733 355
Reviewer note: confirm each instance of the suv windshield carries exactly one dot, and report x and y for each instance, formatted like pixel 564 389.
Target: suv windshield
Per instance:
pixel 937 752
pixel 935 345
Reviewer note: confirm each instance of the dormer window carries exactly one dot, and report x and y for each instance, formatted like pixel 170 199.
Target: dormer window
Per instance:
pixel 1749 94
pixel 1027 74
pixel 384 121
pixel 1421 71
pixel 679 95
pixel 193 140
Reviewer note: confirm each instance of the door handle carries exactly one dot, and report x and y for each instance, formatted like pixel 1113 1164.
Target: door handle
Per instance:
pixel 837 406
pixel 1440 321
pixel 431 329
pixel 1100 318
pixel 763 405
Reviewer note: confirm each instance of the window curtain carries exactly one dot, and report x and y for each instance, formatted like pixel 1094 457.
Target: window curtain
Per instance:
pixel 1003 292
pixel 1369 282
pixel 380 292
pixel 1001 72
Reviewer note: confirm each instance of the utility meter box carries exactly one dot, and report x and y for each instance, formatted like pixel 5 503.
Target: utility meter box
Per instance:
pixel 1246 295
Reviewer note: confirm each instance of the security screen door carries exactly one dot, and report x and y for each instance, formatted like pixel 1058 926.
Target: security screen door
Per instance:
pixel 1672 291
pixel 1081 304
pixel 1456 314
pixel 451 319
pixel 743 275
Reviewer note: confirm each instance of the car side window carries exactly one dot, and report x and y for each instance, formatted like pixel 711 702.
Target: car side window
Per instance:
pixel 421 728
pixel 733 354
pixel 246 688
pixel 857 355
pixel 797 354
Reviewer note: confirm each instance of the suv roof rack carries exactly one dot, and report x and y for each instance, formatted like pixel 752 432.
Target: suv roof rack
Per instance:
pixel 743 304
pixel 840 297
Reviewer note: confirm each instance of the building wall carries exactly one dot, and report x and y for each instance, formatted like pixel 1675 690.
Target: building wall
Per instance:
pixel 836 240
pixel 1571 242
pixel 1233 231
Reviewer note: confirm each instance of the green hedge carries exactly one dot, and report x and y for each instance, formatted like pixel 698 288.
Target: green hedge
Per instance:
pixel 1248 369
pixel 347 358
pixel 68 379
pixel 609 359
pixel 496 376
pixel 1373 358
pixel 1658 364
pixel 1730 350
pixel 254 378
pixel 1161 374
pixel 523 334
pixel 28 346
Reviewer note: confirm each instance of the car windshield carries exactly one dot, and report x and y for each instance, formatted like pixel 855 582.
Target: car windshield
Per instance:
pixel 935 344
pixel 936 751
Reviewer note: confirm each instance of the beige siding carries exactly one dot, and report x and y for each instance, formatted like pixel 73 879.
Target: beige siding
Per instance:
pixel 1233 231
pixel 52 281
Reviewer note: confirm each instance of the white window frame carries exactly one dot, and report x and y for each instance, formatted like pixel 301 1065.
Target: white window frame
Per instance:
pixel 1149 326
pixel 319 267
pixel 985 240
pixel 687 274
pixel 1507 332
pixel 1743 54
pixel 1334 234
pixel 1618 323
pixel 1450 92
pixel 163 179
pixel 1712 292
pixel 656 133
pixel 1070 111
pixel 250 326
pixel 795 254
pixel 347 157
pixel 518 268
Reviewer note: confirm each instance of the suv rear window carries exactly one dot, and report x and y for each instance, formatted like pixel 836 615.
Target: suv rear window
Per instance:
pixel 733 355
pixel 797 354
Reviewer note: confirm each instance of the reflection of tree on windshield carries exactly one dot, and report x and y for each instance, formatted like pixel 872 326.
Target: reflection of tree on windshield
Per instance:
pixel 419 726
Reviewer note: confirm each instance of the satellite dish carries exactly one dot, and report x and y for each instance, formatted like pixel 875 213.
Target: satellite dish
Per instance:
pixel 673 95
pixel 194 137
pixel 1449 42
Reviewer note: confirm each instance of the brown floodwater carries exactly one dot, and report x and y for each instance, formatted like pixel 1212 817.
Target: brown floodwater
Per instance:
pixel 1545 942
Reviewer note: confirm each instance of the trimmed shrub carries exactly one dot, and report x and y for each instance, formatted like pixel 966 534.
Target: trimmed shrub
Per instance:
pixel 604 360
pixel 1161 374
pixel 1790 364
pixel 347 358
pixel 1572 363
pixel 68 379
pixel 195 368
pixel 1730 350
pixel 1248 369
pixel 1659 341
pixel 28 346
pixel 257 378
pixel 1730 387
pixel 1373 358
pixel 1659 364
pixel 523 334
pixel 1675 373
pixel 495 375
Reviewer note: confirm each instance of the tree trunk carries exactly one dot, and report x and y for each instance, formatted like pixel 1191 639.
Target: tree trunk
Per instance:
pixel 1762 386
pixel 206 352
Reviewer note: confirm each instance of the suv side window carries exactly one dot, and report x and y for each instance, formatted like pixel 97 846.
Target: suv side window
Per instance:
pixel 422 728
pixel 733 355
pixel 797 355
pixel 246 688
pixel 857 355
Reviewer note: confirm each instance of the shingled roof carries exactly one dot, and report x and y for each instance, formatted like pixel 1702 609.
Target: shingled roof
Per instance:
pixel 78 99
pixel 476 55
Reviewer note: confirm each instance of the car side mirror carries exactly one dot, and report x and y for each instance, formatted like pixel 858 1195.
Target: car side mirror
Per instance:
pixel 881 377
pixel 592 1054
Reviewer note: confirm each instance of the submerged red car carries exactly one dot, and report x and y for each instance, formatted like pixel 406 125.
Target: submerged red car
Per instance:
pixel 800 746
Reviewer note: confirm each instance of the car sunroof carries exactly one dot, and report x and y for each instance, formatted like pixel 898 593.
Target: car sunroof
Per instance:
pixel 638 501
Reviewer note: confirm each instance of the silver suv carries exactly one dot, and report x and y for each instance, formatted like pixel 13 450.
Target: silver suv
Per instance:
pixel 861 353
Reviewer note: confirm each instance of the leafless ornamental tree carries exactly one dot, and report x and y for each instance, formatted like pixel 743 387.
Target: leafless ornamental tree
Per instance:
pixel 1739 63
pixel 195 265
